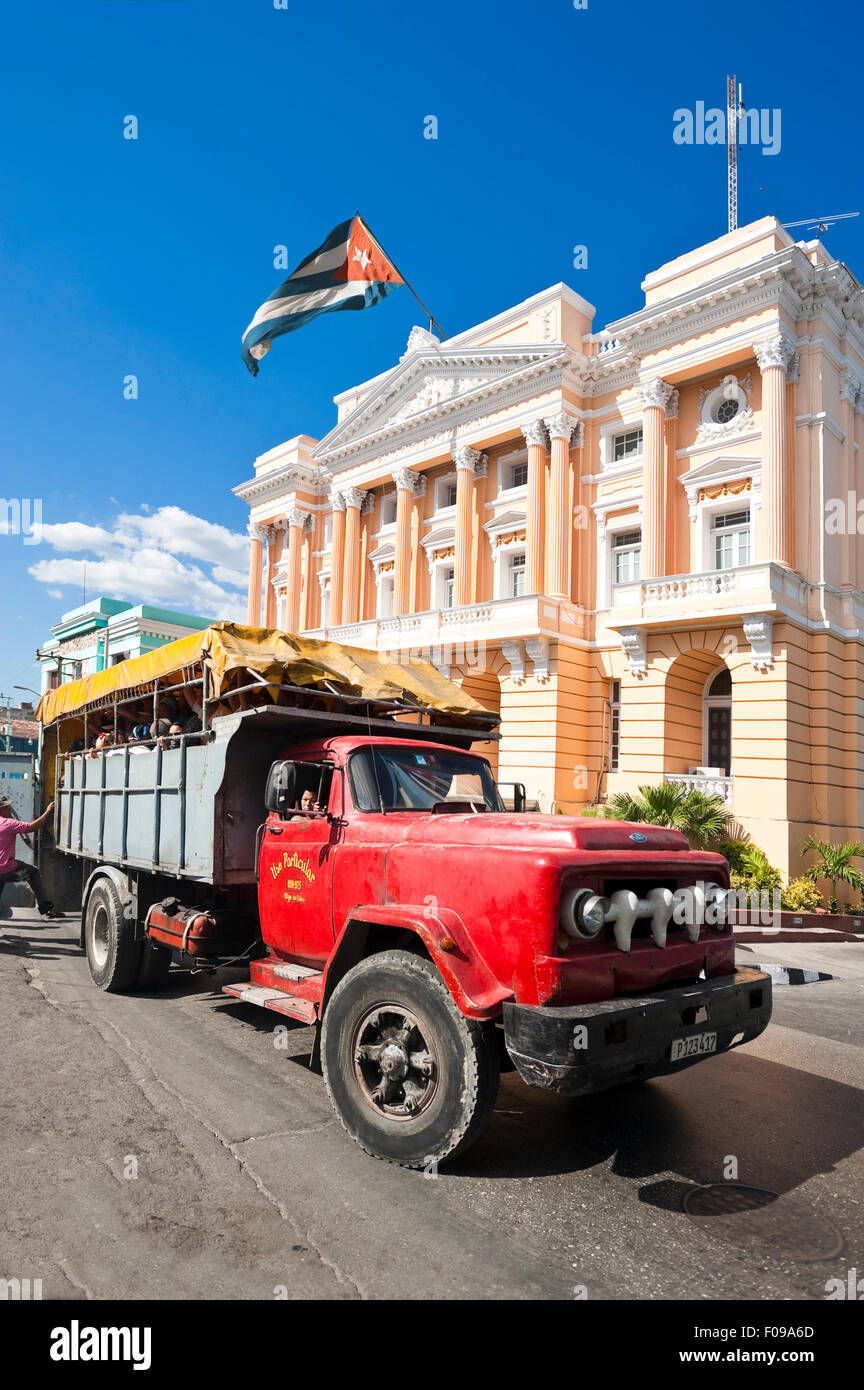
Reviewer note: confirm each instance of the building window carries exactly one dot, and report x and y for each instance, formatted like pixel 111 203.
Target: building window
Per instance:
pixel 519 474
pixel 717 723
pixel 626 557
pixel 388 509
pixel 447 586
pixel 517 575
pixel 325 605
pixel 445 493
pixel 328 530
pixel 731 535
pixel 626 445
pixel 385 596
pixel 614 725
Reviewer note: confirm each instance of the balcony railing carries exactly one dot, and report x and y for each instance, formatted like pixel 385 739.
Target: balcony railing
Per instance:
pixel 714 786
pixel 525 616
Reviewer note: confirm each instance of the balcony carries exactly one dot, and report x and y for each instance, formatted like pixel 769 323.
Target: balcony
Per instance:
pixel 499 619
pixel 761 588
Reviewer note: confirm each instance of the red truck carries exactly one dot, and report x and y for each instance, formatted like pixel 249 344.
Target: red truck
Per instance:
pixel 370 873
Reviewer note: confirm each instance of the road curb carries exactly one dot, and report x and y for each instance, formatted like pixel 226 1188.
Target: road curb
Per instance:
pixel 793 974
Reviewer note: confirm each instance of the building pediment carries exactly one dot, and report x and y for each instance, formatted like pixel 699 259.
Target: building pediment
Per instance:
pixel 721 473
pixel 434 386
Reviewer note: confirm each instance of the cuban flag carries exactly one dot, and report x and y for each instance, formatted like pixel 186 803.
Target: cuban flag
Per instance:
pixel 348 271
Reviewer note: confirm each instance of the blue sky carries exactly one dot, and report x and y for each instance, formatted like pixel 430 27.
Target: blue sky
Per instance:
pixel 261 126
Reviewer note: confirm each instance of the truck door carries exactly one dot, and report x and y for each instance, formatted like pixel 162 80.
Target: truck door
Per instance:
pixel 295 871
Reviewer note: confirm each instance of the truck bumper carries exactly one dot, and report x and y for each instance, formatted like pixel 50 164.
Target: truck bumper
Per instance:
pixel 581 1048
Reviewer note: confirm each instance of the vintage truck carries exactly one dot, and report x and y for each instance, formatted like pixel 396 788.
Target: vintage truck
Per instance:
pixel 331 828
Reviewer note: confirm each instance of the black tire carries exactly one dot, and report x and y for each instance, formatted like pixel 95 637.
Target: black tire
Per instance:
pixel 154 966
pixel 113 954
pixel 451 1085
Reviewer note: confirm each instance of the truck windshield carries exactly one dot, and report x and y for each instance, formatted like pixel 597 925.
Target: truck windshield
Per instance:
pixel 413 779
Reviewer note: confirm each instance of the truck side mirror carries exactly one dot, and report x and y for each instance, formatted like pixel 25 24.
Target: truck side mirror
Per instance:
pixel 520 799
pixel 281 787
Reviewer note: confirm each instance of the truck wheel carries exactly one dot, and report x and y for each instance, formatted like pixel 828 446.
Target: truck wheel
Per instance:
pixel 411 1079
pixel 113 954
pixel 154 966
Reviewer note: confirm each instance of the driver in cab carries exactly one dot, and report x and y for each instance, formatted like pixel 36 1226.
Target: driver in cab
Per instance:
pixel 308 805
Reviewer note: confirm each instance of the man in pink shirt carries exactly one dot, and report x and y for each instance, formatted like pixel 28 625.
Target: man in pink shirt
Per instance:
pixel 12 870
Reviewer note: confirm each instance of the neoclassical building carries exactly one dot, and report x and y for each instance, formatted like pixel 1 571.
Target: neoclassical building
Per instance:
pixel 639 544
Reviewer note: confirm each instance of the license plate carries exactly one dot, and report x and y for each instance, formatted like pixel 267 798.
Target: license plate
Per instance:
pixel 699 1046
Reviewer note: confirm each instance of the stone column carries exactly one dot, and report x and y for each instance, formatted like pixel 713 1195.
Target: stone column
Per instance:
pixel 850 391
pixel 354 499
pixel 774 355
pixel 297 522
pixel 406 483
pixel 271 535
pixel 535 521
pixel 256 563
pixel 653 394
pixel 466 460
pixel 337 558
pixel 560 426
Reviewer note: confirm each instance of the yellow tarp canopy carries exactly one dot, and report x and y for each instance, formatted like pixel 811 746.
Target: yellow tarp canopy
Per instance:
pixel 230 651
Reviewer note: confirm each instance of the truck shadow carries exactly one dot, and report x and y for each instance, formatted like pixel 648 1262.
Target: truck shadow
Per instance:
pixel 689 1125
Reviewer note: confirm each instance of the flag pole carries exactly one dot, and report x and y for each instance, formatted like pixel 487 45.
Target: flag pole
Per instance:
pixel 433 322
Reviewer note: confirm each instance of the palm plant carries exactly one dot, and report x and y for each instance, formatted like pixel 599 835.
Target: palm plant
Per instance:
pixel 701 816
pixel 835 865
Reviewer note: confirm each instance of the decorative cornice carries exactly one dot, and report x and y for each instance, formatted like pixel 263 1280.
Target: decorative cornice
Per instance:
pixel 288 478
pixel 420 340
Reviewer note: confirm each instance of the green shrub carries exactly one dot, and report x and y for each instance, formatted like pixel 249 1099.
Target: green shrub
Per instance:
pixel 750 867
pixel 801 895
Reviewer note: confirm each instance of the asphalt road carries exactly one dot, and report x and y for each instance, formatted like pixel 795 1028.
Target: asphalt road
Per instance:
pixel 163 1146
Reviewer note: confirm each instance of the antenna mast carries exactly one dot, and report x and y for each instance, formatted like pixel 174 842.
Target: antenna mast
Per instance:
pixel 733 99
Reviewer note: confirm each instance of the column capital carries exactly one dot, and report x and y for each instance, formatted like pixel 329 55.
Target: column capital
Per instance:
pixel 465 457
pixel 776 351
pixel 354 496
pixel 296 517
pixel 851 387
pixel 256 532
pixel 672 405
pixel 269 534
pixel 406 480
pixel 561 425
pixel 535 432
pixel 654 392
pixel 337 500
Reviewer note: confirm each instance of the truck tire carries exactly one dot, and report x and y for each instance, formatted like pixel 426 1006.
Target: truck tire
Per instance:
pixel 113 954
pixel 411 1079
pixel 154 966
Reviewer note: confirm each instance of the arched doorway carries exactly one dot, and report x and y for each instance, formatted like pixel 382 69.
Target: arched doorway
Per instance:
pixel 717 722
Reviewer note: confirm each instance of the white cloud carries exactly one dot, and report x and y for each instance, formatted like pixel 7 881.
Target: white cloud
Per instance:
pixel 139 560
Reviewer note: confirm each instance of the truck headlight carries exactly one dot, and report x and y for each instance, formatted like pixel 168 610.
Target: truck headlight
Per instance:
pixel 582 913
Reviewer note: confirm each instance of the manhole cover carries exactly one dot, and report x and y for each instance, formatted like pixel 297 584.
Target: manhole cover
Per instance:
pixel 744 1215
